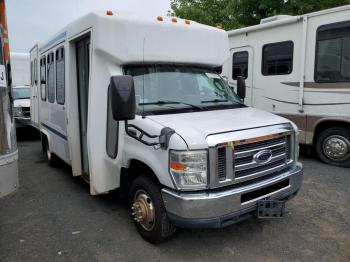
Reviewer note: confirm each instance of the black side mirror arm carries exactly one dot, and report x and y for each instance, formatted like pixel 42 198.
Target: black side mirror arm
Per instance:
pixel 164 136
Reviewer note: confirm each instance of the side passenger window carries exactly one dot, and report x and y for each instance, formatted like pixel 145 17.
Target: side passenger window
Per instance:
pixel 240 65
pixel 43 78
pixel 112 130
pixel 333 53
pixel 277 58
pixel 60 92
pixel 50 78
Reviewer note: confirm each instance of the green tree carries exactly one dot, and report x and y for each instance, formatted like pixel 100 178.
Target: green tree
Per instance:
pixel 232 14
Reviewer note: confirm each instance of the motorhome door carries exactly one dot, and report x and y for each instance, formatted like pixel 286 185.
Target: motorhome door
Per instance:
pixel 242 59
pixel 34 100
pixel 83 60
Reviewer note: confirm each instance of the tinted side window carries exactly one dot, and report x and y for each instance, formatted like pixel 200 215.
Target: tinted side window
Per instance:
pixel 43 78
pixel 240 64
pixel 35 71
pixel 31 73
pixel 333 53
pixel 60 92
pixel 112 130
pixel 277 58
pixel 50 78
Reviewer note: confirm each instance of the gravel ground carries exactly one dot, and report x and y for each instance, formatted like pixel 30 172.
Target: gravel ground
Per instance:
pixel 52 217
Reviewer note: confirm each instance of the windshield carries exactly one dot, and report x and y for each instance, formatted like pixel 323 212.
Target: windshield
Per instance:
pixel 170 88
pixel 21 93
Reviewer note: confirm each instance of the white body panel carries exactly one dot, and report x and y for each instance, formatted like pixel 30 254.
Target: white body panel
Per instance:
pixel 111 42
pixel 296 95
pixel 20 67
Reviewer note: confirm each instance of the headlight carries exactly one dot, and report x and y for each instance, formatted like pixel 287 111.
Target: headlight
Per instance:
pixel 18 111
pixel 189 169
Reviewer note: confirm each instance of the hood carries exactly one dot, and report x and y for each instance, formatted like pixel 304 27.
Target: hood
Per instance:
pixel 21 103
pixel 194 128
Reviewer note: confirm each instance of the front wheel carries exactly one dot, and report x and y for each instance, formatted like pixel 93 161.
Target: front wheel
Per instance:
pixel 148 211
pixel 333 146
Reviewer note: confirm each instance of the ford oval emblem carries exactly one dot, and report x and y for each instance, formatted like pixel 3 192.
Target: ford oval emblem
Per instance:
pixel 263 156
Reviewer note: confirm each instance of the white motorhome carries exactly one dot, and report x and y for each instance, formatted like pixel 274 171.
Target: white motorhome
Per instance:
pixel 299 67
pixel 192 155
pixel 8 146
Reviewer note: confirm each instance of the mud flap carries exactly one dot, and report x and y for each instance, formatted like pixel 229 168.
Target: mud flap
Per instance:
pixel 270 208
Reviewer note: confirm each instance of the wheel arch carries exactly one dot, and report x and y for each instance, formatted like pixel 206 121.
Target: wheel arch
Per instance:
pixel 135 169
pixel 324 124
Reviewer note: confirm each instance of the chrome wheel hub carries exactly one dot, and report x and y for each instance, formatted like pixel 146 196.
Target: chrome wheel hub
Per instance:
pixel 143 210
pixel 336 147
pixel 48 154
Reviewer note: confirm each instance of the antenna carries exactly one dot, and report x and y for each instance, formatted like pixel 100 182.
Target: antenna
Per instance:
pixel 143 79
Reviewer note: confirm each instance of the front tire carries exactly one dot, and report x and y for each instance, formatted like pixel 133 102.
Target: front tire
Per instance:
pixel 148 211
pixel 333 146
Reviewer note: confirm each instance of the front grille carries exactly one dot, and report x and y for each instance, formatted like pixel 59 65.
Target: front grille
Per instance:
pixel 26 111
pixel 221 163
pixel 245 167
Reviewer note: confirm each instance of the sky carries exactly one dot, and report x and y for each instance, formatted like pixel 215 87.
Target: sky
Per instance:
pixel 32 21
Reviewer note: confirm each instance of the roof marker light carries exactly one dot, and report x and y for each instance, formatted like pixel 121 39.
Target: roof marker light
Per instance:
pixel 219 27
pixel 187 22
pixel 109 12
pixel 174 20
pixel 160 18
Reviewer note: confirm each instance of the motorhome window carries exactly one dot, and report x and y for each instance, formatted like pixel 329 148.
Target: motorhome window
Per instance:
pixel 60 92
pixel 240 65
pixel 162 89
pixel 43 78
pixel 112 130
pixel 332 63
pixel 277 58
pixel 50 78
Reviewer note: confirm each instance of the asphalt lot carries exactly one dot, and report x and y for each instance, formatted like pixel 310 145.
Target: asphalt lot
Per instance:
pixel 52 217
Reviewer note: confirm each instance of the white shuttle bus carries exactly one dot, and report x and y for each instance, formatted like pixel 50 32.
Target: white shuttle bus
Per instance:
pixel 137 104
pixel 8 145
pixel 299 67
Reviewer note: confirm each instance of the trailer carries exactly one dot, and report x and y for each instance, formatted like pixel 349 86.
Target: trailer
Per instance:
pixel 137 104
pixel 8 146
pixel 299 67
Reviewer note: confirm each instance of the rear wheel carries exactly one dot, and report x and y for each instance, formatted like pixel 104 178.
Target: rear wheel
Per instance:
pixel 50 157
pixel 333 146
pixel 148 210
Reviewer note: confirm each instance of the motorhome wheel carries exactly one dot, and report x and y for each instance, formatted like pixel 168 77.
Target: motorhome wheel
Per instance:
pixel 148 211
pixel 333 146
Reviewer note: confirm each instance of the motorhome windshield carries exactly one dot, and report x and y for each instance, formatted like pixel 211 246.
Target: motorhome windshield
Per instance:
pixel 21 93
pixel 161 89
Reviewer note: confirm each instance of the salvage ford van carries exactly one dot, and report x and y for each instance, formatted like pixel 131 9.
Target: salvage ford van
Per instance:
pixel 138 105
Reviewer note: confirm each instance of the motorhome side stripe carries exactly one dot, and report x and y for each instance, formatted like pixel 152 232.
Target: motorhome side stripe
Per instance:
pixel 52 41
pixel 54 131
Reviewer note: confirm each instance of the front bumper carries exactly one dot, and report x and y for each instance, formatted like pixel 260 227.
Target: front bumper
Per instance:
pixel 215 209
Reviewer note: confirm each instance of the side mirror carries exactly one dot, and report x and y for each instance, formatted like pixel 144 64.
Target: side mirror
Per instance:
pixel 241 88
pixel 123 97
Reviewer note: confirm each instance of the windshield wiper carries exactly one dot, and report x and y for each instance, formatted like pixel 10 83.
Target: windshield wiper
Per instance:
pixel 168 102
pixel 214 101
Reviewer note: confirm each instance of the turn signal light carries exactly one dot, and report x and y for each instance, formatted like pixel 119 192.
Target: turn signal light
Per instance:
pixel 177 166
